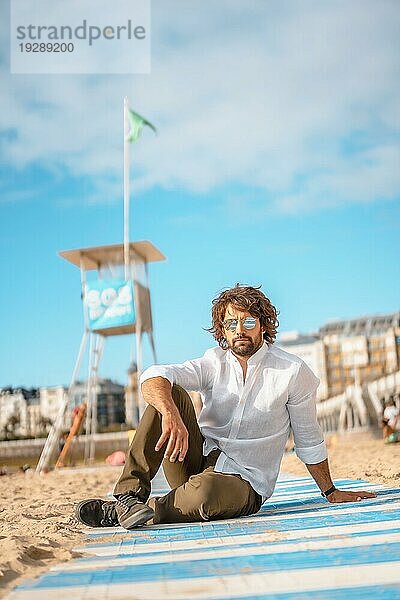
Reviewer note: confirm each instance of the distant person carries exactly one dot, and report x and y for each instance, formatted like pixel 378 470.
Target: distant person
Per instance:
pixel 391 421
pixel 226 463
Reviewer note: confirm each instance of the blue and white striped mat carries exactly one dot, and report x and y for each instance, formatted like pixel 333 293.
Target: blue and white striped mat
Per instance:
pixel 297 547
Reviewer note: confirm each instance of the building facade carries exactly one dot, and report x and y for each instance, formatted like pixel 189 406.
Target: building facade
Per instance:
pixel 348 352
pixel 51 399
pixel 110 402
pixel 360 350
pixel 20 414
pixel 30 413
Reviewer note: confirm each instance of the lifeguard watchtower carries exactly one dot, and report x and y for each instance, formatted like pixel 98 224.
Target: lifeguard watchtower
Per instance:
pixel 116 301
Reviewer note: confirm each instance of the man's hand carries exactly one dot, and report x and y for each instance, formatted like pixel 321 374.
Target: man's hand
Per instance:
pixel 347 496
pixel 175 432
pixel 320 473
pixel 157 392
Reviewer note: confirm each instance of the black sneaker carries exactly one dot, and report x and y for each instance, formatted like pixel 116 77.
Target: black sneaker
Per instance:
pixel 97 513
pixel 131 511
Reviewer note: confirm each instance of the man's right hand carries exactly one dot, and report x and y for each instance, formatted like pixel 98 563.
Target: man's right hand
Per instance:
pixel 175 433
pixel 157 392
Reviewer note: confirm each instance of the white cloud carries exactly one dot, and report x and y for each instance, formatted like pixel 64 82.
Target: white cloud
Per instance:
pixel 261 96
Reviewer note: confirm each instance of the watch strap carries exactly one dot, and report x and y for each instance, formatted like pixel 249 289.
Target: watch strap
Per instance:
pixel 328 492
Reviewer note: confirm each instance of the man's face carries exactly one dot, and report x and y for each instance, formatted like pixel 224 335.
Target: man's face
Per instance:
pixel 243 342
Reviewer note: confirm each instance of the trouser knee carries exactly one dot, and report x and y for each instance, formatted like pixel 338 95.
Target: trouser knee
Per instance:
pixel 220 496
pixel 180 396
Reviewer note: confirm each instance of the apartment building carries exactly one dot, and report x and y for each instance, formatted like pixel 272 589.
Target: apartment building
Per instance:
pixel 20 412
pixel 360 350
pixel 110 402
pixel 351 351
pixel 51 399
pixel 30 412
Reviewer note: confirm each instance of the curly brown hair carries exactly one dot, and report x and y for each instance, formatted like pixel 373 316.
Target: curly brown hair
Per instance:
pixel 245 298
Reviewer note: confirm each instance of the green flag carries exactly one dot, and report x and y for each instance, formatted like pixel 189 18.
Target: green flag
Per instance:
pixel 137 123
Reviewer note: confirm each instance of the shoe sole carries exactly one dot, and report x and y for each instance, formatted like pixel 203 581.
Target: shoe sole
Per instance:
pixel 139 518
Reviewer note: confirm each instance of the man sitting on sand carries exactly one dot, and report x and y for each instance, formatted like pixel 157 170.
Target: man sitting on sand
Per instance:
pixel 226 464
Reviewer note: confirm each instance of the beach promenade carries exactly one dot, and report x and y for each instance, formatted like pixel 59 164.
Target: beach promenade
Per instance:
pixel 298 546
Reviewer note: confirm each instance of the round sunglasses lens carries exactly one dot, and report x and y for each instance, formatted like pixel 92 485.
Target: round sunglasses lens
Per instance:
pixel 249 323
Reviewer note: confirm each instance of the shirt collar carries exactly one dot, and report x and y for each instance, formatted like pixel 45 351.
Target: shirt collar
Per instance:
pixel 256 357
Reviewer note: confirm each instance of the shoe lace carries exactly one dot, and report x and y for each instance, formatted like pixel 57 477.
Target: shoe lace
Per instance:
pixel 127 500
pixel 109 514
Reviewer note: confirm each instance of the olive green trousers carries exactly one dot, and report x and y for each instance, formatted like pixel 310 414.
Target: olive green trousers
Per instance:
pixel 198 493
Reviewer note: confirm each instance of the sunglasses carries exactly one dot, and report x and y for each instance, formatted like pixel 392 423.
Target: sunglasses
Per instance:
pixel 247 322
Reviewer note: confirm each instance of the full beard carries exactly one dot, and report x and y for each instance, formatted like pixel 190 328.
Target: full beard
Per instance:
pixel 245 346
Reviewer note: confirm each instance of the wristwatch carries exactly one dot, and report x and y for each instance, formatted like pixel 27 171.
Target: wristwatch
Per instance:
pixel 329 492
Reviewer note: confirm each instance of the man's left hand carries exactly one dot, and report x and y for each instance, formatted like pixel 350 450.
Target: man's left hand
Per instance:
pixel 347 496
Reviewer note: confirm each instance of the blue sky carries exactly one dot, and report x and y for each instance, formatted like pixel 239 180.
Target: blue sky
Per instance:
pixel 277 163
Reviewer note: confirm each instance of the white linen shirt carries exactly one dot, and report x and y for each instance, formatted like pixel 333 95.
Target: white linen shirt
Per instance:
pixel 249 421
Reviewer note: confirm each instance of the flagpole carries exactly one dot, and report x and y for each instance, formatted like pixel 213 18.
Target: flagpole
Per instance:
pixel 126 191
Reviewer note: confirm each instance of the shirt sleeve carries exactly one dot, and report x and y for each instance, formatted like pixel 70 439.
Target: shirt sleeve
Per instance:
pixel 308 436
pixel 193 375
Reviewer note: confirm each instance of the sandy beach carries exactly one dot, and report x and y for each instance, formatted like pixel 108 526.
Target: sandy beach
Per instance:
pixel 356 456
pixel 37 531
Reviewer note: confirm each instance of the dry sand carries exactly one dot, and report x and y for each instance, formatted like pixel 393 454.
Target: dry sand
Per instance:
pixel 36 529
pixel 356 456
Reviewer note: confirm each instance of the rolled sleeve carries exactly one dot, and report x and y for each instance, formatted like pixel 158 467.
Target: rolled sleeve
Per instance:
pixel 308 436
pixel 193 375
pixel 313 454
pixel 156 371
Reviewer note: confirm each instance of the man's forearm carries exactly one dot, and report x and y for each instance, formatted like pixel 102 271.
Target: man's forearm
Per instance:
pixel 157 392
pixel 320 472
pixel 321 475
